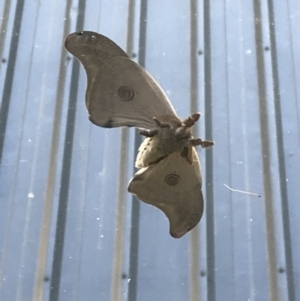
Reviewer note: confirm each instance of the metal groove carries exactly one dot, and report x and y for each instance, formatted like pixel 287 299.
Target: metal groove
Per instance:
pixel 64 191
pixel 281 158
pixel 3 26
pixel 116 288
pixel 210 229
pixel 66 171
pixel 135 212
pixel 265 151
pixel 48 197
pixel 229 137
pixel 194 236
pixel 6 96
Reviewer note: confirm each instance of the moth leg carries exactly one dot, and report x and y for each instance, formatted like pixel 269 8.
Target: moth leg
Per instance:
pixel 207 143
pixel 149 133
pixel 190 121
pixel 187 154
pixel 195 116
pixel 203 143
pixel 160 124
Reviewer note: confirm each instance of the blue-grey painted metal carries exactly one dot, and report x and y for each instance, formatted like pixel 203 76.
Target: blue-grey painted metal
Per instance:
pixel 68 228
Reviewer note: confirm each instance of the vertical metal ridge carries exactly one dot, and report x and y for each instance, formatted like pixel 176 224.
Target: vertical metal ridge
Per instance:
pixel 265 153
pixel 194 57
pixel 143 33
pixel 281 157
pixel 6 96
pixel 210 229
pixel 227 84
pixel 48 198
pixel 35 163
pixel 4 111
pixel 66 170
pixel 194 235
pixel 135 212
pixel 130 29
pixel 116 288
pixel 246 147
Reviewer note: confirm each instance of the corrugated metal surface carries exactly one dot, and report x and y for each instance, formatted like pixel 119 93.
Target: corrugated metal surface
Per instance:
pixel 68 228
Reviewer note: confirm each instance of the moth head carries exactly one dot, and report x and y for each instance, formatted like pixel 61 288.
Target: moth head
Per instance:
pixel 183 132
pixel 181 129
pixel 170 125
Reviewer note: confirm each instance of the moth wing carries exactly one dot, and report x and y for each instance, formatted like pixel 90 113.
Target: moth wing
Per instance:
pixel 92 50
pixel 120 92
pixel 174 186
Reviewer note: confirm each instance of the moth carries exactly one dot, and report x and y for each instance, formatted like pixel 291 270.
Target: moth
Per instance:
pixel 122 93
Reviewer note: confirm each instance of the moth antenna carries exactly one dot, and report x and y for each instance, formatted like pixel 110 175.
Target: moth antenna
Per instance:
pixel 203 143
pixel 190 121
pixel 149 133
pixel 161 125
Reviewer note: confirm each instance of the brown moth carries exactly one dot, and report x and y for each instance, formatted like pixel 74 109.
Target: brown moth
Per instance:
pixel 121 93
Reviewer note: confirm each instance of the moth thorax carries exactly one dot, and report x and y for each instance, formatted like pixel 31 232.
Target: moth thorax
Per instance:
pixel 183 132
pixel 172 179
